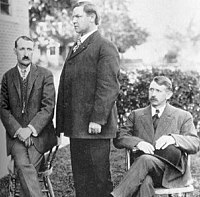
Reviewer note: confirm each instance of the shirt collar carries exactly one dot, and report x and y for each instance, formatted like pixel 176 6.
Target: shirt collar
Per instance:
pixel 161 109
pixel 27 70
pixel 83 38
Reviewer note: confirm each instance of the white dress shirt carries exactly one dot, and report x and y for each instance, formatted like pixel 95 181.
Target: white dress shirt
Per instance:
pixel 161 109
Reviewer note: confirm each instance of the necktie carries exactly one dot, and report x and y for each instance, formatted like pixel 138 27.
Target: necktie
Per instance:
pixel 23 72
pixel 78 43
pixel 155 119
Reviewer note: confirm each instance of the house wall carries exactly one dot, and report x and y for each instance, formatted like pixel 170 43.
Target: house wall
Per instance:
pixel 11 26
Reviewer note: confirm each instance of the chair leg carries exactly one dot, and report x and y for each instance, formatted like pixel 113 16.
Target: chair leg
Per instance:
pixel 11 186
pixel 46 186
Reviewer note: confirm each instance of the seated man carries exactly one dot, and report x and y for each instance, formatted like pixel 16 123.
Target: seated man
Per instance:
pixel 164 136
pixel 26 109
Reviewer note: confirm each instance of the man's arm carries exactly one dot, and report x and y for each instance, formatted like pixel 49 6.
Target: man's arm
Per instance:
pixel 125 135
pixel 10 123
pixel 188 139
pixel 47 104
pixel 60 107
pixel 107 83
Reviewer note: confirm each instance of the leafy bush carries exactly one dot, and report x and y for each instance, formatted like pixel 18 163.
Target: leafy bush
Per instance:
pixel 134 95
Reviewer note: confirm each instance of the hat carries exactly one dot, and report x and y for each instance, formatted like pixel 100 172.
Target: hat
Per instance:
pixel 171 155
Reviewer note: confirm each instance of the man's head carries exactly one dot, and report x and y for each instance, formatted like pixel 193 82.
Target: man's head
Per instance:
pixel 160 90
pixel 85 17
pixel 24 50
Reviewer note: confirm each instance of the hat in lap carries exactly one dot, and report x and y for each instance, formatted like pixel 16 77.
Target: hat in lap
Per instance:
pixel 171 155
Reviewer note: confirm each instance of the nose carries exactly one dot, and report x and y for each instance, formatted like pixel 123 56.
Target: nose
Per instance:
pixel 74 20
pixel 26 52
pixel 153 92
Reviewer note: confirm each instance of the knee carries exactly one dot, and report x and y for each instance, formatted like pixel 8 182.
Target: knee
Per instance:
pixel 146 160
pixel 148 181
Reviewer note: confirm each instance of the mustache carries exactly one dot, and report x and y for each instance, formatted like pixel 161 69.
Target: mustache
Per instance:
pixel 25 58
pixel 153 99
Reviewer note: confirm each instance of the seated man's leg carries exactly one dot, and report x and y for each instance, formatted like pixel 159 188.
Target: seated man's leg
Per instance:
pixel 26 159
pixel 137 175
pixel 146 189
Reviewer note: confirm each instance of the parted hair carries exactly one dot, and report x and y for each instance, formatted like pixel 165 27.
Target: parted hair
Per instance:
pixel 163 80
pixel 24 38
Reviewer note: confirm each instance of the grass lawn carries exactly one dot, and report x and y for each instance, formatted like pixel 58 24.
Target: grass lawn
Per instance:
pixel 62 175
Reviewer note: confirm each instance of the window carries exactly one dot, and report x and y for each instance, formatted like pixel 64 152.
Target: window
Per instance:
pixel 52 50
pixel 5 7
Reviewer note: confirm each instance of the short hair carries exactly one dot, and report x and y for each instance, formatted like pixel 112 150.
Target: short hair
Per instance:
pixel 89 8
pixel 163 80
pixel 24 38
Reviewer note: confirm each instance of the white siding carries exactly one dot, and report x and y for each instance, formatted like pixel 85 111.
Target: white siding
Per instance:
pixel 10 28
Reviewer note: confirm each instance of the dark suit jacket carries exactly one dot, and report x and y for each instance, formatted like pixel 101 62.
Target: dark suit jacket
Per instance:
pixel 175 122
pixel 88 89
pixel 39 109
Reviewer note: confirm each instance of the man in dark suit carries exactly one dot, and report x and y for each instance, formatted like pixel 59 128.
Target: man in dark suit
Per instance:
pixel 164 136
pixel 27 108
pixel 86 109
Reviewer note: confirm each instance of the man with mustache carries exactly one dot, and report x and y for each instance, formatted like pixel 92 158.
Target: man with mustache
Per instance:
pixel 27 108
pixel 163 137
pixel 86 107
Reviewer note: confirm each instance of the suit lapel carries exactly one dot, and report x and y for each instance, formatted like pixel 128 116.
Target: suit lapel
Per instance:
pixel 84 45
pixel 16 81
pixel 164 122
pixel 32 77
pixel 147 123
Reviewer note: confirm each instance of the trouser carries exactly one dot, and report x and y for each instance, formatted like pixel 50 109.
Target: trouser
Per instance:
pixel 139 181
pixel 91 167
pixel 27 161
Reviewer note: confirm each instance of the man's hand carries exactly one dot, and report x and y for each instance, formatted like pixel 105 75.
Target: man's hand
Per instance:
pixel 24 133
pixel 94 128
pixel 164 141
pixel 146 147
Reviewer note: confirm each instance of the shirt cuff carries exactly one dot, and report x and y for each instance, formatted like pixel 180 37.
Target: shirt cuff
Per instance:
pixel 34 132
pixel 174 140
pixel 16 133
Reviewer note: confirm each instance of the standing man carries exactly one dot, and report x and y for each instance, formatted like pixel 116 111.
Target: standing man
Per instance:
pixel 27 108
pixel 164 136
pixel 86 109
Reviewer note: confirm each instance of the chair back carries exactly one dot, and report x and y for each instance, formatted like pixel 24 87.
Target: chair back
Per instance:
pixel 48 159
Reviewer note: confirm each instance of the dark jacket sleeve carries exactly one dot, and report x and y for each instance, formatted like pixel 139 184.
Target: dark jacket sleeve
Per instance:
pixel 107 83
pixel 10 123
pixel 125 135
pixel 47 104
pixel 60 106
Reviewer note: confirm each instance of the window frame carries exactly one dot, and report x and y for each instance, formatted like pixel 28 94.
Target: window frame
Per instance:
pixel 7 12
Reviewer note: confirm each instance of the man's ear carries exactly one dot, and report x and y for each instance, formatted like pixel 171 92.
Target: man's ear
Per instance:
pixel 169 94
pixel 92 18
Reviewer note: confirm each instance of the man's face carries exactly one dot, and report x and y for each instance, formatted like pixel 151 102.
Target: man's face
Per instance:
pixel 81 21
pixel 158 94
pixel 24 52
